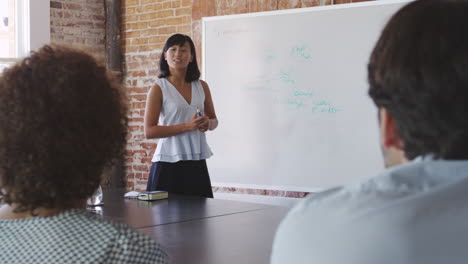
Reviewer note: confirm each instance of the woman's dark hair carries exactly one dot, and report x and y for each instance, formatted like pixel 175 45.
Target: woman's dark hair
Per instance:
pixel 193 73
pixel 62 121
pixel 418 71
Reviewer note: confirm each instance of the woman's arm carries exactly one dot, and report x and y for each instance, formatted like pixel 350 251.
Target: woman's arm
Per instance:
pixel 152 112
pixel 209 110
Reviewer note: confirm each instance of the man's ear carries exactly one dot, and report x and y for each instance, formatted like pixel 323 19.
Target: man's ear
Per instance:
pixel 388 131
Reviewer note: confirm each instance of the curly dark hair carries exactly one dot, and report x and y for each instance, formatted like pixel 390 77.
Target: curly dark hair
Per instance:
pixel 418 71
pixel 62 121
pixel 193 73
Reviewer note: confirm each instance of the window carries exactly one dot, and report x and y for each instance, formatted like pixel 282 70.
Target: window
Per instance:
pixel 7 32
pixel 22 30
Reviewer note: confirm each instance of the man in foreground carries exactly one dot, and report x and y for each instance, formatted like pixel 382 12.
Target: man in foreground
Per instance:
pixel 417 212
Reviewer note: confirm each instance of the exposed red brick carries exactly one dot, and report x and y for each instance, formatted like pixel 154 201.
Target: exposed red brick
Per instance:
pixel 138 90
pixel 186 3
pixel 130 184
pixel 138 105
pixel 146 2
pixel 147 145
pixel 136 153
pixel 81 23
pixel 175 4
pixel 146 160
pixel 131 18
pixel 350 1
pixel 73 6
pixel 138 73
pixel 128 11
pixel 183 11
pixel 166 30
pixel 132 34
pixel 143 168
pixel 151 47
pixel 126 3
pixel 138 97
pixel 262 5
pixel 55 4
pixel 310 3
pixel 184 29
pixel 288 4
pixel 136 120
pixel 142 183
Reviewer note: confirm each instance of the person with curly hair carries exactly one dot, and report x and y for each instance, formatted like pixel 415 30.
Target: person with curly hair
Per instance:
pixel 415 212
pixel 62 122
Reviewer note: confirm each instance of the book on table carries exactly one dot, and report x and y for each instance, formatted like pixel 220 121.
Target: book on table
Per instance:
pixel 154 195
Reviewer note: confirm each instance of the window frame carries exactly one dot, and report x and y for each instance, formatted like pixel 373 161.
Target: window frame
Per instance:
pixel 32 28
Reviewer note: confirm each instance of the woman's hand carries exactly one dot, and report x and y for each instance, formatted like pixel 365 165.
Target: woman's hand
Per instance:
pixel 197 122
pixel 204 126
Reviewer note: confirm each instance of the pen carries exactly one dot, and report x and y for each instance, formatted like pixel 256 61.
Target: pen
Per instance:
pixel 199 113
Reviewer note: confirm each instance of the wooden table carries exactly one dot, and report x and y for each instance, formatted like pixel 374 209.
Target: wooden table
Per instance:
pixel 201 230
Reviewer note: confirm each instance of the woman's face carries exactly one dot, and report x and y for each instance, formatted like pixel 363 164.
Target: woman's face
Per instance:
pixel 178 57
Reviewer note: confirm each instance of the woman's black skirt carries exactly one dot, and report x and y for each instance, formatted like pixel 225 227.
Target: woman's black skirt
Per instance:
pixel 189 177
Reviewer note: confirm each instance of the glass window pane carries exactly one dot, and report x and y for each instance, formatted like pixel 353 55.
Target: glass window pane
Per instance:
pixel 7 29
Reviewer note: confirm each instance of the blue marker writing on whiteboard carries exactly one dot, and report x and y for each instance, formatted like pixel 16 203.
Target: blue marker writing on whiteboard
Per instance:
pixel 199 112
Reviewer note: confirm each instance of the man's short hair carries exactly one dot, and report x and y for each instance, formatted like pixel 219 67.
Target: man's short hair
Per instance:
pixel 418 71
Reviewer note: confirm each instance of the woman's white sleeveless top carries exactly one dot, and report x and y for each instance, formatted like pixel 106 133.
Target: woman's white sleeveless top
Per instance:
pixel 175 110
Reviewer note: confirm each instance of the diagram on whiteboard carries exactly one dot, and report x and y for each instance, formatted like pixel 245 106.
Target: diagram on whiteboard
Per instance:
pixel 282 80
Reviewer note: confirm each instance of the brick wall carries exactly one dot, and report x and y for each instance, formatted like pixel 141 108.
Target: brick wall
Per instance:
pixel 146 26
pixel 80 23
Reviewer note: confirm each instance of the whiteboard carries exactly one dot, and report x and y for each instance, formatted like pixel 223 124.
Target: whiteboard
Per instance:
pixel 290 92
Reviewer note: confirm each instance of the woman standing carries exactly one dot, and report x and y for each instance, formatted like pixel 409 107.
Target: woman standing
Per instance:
pixel 179 110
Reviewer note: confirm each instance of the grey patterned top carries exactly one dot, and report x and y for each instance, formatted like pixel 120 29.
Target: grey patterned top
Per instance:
pixel 75 236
